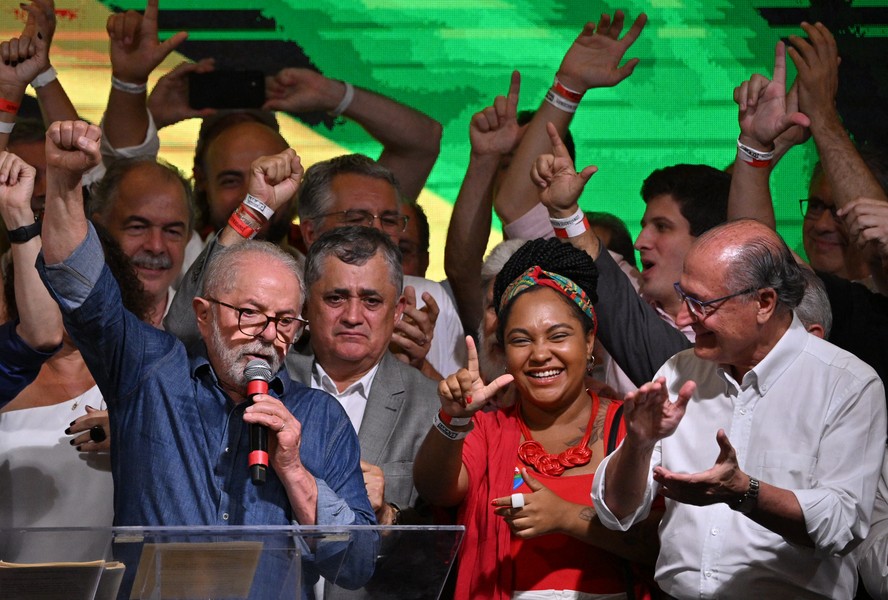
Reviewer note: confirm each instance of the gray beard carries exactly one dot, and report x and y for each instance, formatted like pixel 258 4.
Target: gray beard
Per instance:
pixel 233 360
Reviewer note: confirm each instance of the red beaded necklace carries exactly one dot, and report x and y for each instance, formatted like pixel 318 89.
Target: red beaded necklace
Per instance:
pixel 532 454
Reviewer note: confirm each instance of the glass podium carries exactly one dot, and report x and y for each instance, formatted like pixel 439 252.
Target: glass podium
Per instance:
pixel 262 563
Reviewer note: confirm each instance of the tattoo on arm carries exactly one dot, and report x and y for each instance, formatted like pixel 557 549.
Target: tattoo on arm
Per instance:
pixel 587 513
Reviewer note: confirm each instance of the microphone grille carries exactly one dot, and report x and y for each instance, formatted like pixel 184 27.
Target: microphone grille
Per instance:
pixel 258 369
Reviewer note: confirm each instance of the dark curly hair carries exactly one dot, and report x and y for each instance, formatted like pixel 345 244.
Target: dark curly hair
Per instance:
pixel 131 291
pixel 554 256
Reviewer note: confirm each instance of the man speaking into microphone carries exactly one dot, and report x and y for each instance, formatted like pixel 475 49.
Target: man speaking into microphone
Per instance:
pixel 181 419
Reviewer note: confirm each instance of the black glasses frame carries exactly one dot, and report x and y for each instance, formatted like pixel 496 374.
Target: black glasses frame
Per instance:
pixel 367 217
pixel 698 308
pixel 819 208
pixel 300 322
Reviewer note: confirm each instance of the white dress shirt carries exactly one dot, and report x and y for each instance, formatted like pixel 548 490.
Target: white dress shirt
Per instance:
pixel 809 418
pixel 873 552
pixel 353 398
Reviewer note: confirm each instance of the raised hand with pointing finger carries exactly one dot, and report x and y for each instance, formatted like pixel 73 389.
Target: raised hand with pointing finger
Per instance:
pixel 560 185
pixel 464 393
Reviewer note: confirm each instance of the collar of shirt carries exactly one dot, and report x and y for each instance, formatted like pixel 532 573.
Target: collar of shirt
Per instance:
pixel 321 381
pixel 687 330
pixel 768 371
pixel 201 368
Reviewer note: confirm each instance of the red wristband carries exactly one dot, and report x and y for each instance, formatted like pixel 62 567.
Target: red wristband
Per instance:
pixel 565 92
pixel 238 224
pixel 8 106
pixel 455 421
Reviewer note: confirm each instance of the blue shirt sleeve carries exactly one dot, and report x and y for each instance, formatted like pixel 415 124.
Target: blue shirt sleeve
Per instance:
pixel 19 363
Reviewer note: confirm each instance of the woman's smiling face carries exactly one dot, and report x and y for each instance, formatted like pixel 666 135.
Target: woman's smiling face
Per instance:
pixel 547 349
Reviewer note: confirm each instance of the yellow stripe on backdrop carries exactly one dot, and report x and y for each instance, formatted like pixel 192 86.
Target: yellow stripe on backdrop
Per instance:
pixel 80 55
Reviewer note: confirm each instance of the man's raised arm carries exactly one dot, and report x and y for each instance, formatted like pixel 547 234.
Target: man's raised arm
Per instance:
pixel 592 61
pixel 817 61
pixel 72 148
pixel 767 116
pixel 410 139
pixel 493 133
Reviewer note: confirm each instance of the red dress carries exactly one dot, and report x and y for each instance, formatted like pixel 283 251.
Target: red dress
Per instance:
pixel 487 565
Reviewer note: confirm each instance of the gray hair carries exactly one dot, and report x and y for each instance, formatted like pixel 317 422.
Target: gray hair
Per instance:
pixel 762 260
pixel 497 258
pixel 815 309
pixel 103 193
pixel 315 192
pixel 354 245
pixel 221 273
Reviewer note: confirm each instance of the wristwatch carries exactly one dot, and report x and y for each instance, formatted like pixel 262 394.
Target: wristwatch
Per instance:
pixel 23 234
pixel 748 501
pixel 396 519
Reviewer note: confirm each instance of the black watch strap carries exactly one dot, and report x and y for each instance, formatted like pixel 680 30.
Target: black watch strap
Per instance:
pixel 23 234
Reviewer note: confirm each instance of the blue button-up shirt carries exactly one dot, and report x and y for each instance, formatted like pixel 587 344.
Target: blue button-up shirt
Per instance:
pixel 19 363
pixel 180 445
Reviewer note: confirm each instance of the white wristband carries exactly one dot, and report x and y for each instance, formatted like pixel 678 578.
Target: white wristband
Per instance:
pixel 561 103
pixel 6 127
pixel 754 157
pixel 571 226
pixel 575 218
pixel 48 76
pixel 346 100
pixel 259 206
pixel 447 432
pixel 129 88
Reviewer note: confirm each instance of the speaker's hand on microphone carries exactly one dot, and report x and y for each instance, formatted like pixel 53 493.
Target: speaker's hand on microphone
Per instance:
pixel 284 431
pixel 285 435
pixel 275 179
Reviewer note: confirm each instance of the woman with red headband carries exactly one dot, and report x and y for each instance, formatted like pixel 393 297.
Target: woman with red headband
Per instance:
pixel 521 475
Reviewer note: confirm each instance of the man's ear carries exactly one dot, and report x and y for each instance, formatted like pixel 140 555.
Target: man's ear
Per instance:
pixel 309 232
pixel 202 309
pixel 817 329
pixel 767 304
pixel 399 308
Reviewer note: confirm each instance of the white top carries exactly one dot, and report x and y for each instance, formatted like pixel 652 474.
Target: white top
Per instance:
pixel 809 418
pixel 873 552
pixel 45 482
pixel 448 351
pixel 353 398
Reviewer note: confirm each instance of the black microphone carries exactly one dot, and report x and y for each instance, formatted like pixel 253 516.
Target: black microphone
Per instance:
pixel 258 374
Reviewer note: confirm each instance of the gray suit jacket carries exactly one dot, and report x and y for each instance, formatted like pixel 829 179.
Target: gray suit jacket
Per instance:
pixel 398 416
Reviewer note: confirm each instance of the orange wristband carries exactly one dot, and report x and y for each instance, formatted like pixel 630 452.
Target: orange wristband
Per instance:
pixel 8 106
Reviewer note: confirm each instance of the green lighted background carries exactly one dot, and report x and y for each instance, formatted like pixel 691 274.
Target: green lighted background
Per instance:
pixel 450 58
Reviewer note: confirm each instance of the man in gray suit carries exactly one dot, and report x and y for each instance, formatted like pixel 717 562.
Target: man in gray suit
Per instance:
pixel 353 281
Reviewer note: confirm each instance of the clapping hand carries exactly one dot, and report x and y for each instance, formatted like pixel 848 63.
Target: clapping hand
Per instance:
pixel 649 413
pixel 722 483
